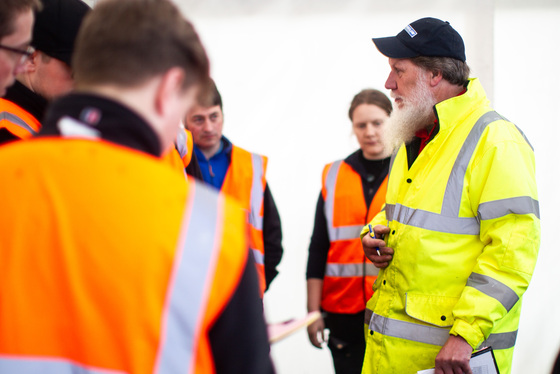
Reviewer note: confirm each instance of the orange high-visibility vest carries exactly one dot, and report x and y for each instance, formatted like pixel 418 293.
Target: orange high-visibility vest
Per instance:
pixel 179 157
pixel 117 267
pixel 17 120
pixel 349 276
pixel 245 181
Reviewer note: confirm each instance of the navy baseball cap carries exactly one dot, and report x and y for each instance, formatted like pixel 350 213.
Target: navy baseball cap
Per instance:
pixel 56 27
pixel 425 37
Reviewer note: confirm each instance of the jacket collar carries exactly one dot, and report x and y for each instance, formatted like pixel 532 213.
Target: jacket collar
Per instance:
pixel 34 104
pixel 456 109
pixel 104 118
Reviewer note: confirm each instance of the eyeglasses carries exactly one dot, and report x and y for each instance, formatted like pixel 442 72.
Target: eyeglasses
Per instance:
pixel 24 54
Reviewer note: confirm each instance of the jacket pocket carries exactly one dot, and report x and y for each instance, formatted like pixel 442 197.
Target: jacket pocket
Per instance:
pixel 435 310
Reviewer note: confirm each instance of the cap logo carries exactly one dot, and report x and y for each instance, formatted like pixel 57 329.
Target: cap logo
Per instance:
pixel 410 31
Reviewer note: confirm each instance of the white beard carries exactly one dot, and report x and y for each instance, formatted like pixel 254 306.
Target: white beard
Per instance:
pixel 416 114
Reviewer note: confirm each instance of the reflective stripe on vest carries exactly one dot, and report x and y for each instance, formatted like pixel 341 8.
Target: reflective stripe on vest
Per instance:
pixel 181 143
pixel 449 221
pixel 341 232
pixel 42 365
pixel 194 263
pixel 351 270
pixel 17 121
pixel 184 145
pixel 429 334
pixel 257 193
pixel 258 256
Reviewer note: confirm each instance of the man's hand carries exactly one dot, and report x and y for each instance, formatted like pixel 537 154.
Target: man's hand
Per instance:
pixel 454 357
pixel 371 245
pixel 316 333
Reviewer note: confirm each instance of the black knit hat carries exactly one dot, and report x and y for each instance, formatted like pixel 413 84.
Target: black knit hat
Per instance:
pixel 56 27
pixel 425 37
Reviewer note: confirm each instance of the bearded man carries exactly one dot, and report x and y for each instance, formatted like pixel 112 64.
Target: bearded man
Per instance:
pixel 460 230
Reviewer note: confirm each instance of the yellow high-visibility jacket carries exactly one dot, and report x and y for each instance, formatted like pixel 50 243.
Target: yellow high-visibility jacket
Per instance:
pixel 465 229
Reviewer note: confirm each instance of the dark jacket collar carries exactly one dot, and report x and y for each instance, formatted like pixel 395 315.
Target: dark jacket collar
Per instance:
pixel 362 166
pixel 113 121
pixel 34 104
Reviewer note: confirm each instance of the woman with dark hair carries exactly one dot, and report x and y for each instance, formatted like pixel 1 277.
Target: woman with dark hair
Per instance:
pixel 339 277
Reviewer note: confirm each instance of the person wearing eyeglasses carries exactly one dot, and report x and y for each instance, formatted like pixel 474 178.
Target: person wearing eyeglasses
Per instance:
pixel 16 22
pixel 110 263
pixel 43 71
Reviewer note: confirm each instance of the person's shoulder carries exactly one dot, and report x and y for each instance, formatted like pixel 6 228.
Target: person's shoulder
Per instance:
pixel 21 152
pixel 500 130
pixel 353 159
pixel 245 151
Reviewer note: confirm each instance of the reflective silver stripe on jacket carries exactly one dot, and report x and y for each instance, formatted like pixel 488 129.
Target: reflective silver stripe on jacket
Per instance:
pixel 341 232
pixel 258 256
pixel 16 121
pixel 514 205
pixel 504 340
pixel 181 142
pixel 351 270
pixel 449 221
pixel 187 296
pixel 408 330
pixel 493 288
pixel 34 365
pixel 454 189
pixel 432 221
pixel 429 334
pixel 257 193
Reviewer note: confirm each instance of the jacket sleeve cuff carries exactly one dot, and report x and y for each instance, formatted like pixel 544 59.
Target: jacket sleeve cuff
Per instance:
pixel 469 332
pixel 365 230
pixel 379 219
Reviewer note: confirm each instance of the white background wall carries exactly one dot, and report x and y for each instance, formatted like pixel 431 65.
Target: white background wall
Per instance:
pixel 287 71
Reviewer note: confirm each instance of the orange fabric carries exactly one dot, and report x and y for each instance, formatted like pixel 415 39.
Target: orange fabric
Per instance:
pixel 238 183
pixel 190 148
pixel 73 288
pixel 349 294
pixel 20 132
pixel 173 157
pixel 228 271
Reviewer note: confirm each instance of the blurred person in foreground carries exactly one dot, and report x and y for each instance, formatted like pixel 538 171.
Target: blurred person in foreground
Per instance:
pixel 16 24
pixel 461 223
pixel 46 74
pixel 110 263
pixel 339 276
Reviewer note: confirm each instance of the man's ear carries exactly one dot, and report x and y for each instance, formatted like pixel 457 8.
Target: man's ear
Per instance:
pixel 169 89
pixel 32 62
pixel 435 78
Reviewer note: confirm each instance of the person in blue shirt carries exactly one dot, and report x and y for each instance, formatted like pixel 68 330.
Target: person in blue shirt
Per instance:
pixel 239 173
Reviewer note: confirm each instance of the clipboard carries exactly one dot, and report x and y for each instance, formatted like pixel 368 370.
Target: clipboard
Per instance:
pixel 482 362
pixel 278 331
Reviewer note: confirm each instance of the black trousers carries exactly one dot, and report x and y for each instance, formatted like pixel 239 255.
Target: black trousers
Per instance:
pixel 346 341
